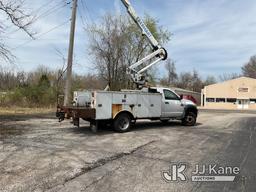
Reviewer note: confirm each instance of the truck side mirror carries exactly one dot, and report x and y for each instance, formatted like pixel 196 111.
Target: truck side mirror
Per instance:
pixel 181 97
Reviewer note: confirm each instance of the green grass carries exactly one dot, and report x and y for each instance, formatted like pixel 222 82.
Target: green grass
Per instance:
pixel 24 111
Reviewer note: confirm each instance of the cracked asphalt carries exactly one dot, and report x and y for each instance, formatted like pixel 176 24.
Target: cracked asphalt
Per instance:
pixel 39 154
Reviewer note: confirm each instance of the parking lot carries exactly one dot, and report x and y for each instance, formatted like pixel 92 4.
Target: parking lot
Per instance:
pixel 40 154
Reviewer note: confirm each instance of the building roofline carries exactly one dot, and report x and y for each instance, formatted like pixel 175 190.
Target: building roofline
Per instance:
pixel 180 89
pixel 242 77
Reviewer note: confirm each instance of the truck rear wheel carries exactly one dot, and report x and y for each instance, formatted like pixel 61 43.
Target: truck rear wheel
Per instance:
pixel 122 123
pixel 189 119
pixel 164 121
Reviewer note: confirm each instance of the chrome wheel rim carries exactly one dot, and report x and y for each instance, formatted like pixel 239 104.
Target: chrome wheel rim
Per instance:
pixel 190 119
pixel 124 123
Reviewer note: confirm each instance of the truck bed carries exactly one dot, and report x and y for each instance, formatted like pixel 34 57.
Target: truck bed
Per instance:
pixel 105 105
pixel 140 104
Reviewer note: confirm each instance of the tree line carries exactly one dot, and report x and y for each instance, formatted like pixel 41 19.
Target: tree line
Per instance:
pixel 193 80
pixel 41 87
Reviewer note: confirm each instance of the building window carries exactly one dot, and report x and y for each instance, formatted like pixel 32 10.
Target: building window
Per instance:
pixel 252 101
pixel 210 100
pixel 220 100
pixel 231 100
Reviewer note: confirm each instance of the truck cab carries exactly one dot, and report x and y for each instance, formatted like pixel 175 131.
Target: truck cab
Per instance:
pixel 174 106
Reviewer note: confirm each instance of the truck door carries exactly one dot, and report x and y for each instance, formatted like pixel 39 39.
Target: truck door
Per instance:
pixel 171 106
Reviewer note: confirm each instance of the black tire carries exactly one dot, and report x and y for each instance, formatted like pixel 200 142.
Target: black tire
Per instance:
pixel 165 121
pixel 94 125
pixel 189 119
pixel 122 123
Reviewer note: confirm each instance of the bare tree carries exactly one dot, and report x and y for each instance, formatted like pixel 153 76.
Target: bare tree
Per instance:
pixel 185 80
pixel 171 72
pixel 249 69
pixel 59 81
pixel 106 46
pixel 226 76
pixel 14 12
pixel 117 43
pixel 210 80
pixel 190 81
pixel 197 82
pixel 10 80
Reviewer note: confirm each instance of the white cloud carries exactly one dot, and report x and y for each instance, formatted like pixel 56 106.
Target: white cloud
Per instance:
pixel 213 36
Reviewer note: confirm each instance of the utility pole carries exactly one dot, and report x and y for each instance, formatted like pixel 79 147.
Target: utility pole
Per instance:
pixel 67 97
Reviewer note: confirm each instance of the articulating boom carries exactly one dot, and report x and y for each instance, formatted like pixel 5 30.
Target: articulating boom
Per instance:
pixel 159 53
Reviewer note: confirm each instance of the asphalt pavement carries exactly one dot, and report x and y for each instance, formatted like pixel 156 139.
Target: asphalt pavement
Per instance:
pixel 39 154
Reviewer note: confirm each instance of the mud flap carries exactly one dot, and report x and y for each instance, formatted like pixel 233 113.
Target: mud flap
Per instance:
pixel 94 126
pixel 60 116
pixel 76 122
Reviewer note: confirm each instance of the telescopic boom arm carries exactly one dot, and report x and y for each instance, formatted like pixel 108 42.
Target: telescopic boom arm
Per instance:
pixel 159 53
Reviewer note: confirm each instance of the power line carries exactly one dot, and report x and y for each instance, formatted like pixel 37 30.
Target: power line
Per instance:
pixel 43 6
pixel 25 39
pixel 84 22
pixel 48 12
pixel 52 10
pixel 52 29
pixel 84 6
pixel 83 13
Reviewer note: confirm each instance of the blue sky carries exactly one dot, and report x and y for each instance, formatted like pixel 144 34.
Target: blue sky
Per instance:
pixel 211 36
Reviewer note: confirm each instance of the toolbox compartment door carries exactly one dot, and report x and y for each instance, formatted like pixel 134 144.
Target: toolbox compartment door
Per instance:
pixel 155 106
pixel 143 106
pixel 149 106
pixel 103 105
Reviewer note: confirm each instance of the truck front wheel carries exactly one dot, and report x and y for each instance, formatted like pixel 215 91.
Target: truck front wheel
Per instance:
pixel 189 119
pixel 122 123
